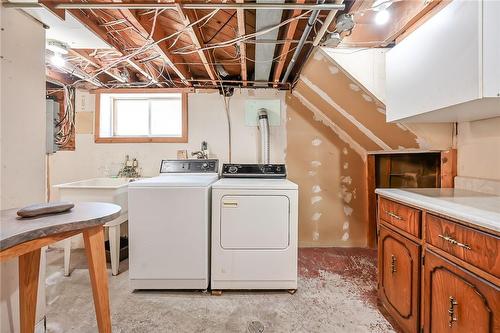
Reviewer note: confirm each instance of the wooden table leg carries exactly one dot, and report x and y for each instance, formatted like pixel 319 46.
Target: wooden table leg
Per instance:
pixel 29 268
pixel 96 257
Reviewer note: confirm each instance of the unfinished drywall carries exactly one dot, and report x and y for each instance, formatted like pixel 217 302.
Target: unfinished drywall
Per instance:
pixel 333 120
pixel 367 66
pixel 207 121
pixel 22 101
pixel 329 168
pixel 478 148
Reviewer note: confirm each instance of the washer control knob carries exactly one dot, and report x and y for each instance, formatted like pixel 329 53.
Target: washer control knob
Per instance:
pixel 233 169
pixel 204 166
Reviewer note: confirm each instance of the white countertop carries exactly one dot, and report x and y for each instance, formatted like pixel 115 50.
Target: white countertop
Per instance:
pixel 476 208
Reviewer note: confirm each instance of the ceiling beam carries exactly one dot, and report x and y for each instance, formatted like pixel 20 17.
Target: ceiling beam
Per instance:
pixel 58 78
pixel 97 64
pixel 144 27
pixel 143 71
pixel 290 33
pixel 71 69
pixel 172 5
pixel 102 33
pixel 196 38
pixel 240 14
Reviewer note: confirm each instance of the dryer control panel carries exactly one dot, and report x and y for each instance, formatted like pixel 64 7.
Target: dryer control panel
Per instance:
pixel 190 166
pixel 253 171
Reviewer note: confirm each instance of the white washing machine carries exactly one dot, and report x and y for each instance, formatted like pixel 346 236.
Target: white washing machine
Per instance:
pixel 169 226
pixel 254 229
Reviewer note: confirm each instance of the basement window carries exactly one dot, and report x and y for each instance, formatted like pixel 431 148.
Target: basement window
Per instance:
pixel 141 117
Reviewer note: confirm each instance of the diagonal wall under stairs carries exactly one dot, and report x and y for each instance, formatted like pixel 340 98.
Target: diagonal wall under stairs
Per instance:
pixel 333 120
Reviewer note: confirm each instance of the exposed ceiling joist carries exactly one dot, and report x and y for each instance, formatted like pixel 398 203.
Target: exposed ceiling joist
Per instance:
pixel 290 33
pixel 172 5
pixel 57 77
pixel 96 63
pixel 143 71
pixel 145 27
pixel 240 14
pixel 86 21
pixel 78 72
pixel 196 38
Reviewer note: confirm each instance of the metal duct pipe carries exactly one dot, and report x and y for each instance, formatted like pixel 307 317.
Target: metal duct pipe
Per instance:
pixel 263 52
pixel 265 149
pixel 305 34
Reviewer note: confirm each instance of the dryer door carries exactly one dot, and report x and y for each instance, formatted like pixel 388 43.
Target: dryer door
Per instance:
pixel 255 222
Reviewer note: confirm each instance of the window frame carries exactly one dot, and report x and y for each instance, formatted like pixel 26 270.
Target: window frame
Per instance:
pixel 141 139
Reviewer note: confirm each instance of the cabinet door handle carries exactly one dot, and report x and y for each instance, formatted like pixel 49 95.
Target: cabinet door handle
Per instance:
pixel 453 241
pixel 451 311
pixel 394 215
pixel 393 264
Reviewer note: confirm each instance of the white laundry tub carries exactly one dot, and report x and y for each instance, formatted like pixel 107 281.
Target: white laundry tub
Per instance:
pixel 113 190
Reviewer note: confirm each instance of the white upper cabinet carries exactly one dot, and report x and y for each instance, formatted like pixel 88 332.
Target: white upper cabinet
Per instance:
pixel 449 68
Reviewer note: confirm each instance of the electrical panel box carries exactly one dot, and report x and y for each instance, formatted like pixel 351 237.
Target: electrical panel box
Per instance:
pixel 51 119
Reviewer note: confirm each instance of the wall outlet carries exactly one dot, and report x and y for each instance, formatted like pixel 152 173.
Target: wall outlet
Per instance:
pixel 273 107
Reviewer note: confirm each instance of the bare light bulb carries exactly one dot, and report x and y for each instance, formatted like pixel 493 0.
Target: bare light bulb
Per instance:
pixel 382 17
pixel 57 60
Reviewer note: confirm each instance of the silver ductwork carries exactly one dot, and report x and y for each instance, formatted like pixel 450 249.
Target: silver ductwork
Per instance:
pixel 263 52
pixel 265 148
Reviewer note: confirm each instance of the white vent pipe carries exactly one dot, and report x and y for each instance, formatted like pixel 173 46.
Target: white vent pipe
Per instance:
pixel 265 149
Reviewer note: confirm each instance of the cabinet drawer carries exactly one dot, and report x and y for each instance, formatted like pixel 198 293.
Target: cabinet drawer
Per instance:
pixel 474 247
pixel 400 216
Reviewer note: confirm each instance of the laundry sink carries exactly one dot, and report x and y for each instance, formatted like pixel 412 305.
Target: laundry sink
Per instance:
pixel 113 190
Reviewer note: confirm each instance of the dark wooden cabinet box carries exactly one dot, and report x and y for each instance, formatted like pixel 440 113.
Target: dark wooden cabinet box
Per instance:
pixel 436 274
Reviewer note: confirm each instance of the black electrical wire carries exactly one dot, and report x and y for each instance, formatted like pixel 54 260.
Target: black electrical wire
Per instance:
pixel 220 29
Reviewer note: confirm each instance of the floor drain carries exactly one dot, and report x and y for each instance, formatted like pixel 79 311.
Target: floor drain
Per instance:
pixel 255 327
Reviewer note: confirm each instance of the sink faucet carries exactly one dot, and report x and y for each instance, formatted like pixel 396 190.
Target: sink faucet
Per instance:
pixel 203 152
pixel 130 168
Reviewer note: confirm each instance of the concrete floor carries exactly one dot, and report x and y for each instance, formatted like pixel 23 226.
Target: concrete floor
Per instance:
pixel 337 293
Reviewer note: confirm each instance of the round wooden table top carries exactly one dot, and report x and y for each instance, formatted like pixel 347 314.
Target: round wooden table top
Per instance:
pixel 15 230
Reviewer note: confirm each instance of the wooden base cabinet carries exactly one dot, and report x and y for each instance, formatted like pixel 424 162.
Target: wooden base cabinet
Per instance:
pixel 437 274
pixel 399 278
pixel 457 301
